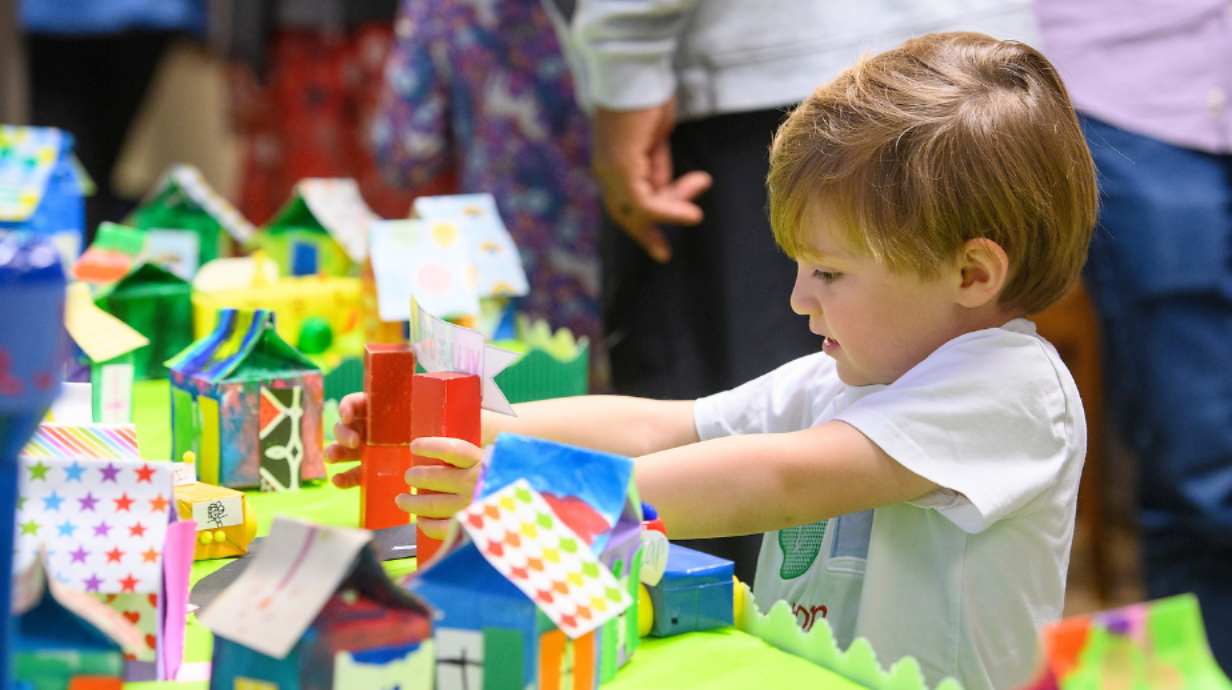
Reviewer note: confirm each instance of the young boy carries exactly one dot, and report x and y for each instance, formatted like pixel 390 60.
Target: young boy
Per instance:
pixel 917 479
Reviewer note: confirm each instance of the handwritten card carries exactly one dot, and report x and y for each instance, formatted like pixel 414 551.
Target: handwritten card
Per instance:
pixel 443 346
pixel 276 598
pixel 429 260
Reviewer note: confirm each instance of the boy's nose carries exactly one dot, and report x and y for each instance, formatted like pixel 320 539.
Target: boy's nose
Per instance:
pixel 800 301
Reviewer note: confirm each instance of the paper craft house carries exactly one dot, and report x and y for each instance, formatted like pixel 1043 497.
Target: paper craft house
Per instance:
pixel 248 405
pixel 1146 645
pixel 105 518
pixel 115 251
pixel 158 305
pixel 322 229
pixel 41 186
pixel 64 635
pixel 537 588
pixel 107 346
pixel 188 222
pixel 316 313
pixel 315 610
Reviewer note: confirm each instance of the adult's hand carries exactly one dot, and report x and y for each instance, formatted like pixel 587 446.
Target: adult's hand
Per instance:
pixel 633 161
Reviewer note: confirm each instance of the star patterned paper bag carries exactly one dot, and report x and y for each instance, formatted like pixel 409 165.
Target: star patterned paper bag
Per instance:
pixel 518 534
pixel 104 522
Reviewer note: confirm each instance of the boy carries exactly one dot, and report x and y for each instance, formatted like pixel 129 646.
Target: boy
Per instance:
pixel 917 479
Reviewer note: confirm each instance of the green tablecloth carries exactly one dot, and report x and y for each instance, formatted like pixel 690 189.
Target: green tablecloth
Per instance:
pixel 716 660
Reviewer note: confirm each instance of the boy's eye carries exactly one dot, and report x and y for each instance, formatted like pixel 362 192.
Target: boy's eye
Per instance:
pixel 825 276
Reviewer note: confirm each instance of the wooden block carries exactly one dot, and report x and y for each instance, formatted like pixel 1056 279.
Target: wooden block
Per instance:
pixel 389 370
pixel 443 404
pixel 382 478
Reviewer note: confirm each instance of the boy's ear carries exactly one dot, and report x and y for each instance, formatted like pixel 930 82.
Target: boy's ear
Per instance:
pixel 984 267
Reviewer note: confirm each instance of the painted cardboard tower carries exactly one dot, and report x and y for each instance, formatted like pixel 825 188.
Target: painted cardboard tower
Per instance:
pixel 248 405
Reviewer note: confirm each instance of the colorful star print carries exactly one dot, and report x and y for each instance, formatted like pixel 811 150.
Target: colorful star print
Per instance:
pixel 52 501
pixel 102 521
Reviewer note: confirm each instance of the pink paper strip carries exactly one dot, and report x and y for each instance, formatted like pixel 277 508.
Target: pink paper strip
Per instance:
pixel 177 564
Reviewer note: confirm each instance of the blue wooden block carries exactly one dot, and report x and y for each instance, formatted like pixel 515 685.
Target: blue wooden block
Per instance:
pixel 694 594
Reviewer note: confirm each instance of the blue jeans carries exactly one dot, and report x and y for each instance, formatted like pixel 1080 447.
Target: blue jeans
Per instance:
pixel 1160 271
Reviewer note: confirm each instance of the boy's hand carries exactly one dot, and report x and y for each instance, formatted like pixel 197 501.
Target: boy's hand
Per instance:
pixel 454 481
pixel 348 436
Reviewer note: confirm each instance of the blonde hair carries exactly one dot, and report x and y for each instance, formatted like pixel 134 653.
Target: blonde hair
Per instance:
pixel 947 138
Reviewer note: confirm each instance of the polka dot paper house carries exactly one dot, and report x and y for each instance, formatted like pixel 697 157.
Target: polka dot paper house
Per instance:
pixel 248 405
pixel 537 583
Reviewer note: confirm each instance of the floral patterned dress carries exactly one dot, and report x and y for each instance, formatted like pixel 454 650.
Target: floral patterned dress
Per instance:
pixel 479 90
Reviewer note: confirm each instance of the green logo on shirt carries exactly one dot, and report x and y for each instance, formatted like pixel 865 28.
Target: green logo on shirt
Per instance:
pixel 800 547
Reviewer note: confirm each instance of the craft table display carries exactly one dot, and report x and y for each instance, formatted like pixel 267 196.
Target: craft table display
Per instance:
pixel 715 660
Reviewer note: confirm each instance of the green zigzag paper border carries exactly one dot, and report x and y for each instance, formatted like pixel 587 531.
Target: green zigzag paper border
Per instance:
pixel 859 663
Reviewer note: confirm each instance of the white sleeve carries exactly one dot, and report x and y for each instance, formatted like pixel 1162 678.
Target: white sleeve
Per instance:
pixel 987 417
pixel 626 48
pixel 786 399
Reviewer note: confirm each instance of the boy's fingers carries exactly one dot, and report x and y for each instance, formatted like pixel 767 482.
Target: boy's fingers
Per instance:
pixel 443 478
pixel 437 529
pixel 352 407
pixel 336 452
pixel 348 479
pixel 454 451
pixel 348 435
pixel 440 506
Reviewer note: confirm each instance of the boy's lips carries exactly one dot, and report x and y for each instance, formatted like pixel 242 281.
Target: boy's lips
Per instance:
pixel 829 345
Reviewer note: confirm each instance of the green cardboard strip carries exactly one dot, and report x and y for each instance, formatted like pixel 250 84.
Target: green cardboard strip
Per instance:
pixel 858 663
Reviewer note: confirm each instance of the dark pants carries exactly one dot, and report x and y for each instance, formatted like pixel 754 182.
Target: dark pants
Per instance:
pixel 718 313
pixel 92 87
pixel 1160 271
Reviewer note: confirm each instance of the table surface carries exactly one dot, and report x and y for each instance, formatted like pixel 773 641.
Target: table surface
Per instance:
pixel 712 660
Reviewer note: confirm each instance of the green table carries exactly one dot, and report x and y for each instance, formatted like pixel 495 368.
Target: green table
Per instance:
pixel 715 660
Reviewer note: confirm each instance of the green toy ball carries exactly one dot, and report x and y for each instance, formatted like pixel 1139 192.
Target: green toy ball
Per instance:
pixel 315 336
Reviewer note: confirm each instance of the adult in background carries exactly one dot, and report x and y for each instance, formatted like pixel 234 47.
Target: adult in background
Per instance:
pixel 303 78
pixel 694 286
pixel 1151 83
pixel 479 94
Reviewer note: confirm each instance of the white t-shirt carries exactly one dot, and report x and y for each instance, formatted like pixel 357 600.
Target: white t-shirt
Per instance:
pixel 964 577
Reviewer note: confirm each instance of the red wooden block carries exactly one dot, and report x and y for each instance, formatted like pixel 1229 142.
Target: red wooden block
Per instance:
pixel 389 370
pixel 443 404
pixel 382 478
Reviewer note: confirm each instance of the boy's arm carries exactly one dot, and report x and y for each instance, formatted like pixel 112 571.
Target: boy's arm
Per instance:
pixel 760 482
pixel 612 423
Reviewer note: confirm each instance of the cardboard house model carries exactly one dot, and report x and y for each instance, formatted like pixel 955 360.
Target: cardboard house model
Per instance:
pixel 64 635
pixel 537 582
pixel 41 186
pixel 107 523
pixel 158 305
pixel 188 222
pixel 248 405
pixel 322 229
pixel 107 346
pixel 316 610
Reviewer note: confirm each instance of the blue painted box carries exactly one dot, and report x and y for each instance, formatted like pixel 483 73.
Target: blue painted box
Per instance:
pixel 694 594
